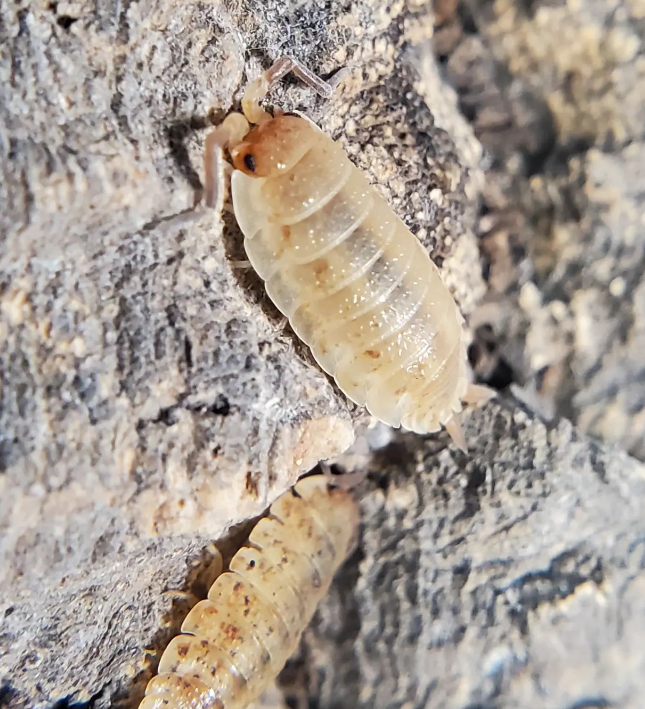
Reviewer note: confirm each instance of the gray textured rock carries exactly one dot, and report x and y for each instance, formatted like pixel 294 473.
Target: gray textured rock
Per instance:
pixel 555 93
pixel 150 397
pixel 513 576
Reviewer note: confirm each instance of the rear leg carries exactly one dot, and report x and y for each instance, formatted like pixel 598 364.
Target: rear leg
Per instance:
pixel 475 395
pixel 455 430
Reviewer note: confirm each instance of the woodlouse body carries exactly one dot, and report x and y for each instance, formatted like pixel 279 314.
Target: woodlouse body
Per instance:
pixel 354 282
pixel 235 643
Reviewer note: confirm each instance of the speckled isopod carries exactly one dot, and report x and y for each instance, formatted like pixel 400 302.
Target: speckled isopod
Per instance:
pixel 234 644
pixel 356 285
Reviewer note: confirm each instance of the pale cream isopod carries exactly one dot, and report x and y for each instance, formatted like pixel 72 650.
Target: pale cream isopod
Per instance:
pixel 234 644
pixel 356 285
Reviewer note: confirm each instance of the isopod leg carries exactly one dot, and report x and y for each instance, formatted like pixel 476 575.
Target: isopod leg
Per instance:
pixel 456 432
pixel 187 596
pixel 242 265
pixel 280 326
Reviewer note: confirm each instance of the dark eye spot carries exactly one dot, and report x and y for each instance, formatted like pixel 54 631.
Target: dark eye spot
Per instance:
pixel 249 162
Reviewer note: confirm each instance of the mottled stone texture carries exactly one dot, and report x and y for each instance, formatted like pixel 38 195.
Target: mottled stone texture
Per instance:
pixel 151 396
pixel 555 91
pixel 513 576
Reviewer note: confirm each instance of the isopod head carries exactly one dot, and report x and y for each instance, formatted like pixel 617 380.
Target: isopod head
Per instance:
pixel 272 147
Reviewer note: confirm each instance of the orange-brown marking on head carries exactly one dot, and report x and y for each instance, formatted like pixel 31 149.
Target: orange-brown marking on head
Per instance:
pixel 274 146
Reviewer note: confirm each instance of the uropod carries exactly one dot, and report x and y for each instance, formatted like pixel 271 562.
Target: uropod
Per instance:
pixel 354 282
pixel 234 644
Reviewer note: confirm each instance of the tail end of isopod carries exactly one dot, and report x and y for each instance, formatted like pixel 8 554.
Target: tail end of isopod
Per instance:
pixel 456 432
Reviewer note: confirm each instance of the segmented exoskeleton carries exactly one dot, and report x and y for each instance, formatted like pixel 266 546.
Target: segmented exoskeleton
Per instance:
pixel 354 282
pixel 234 644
